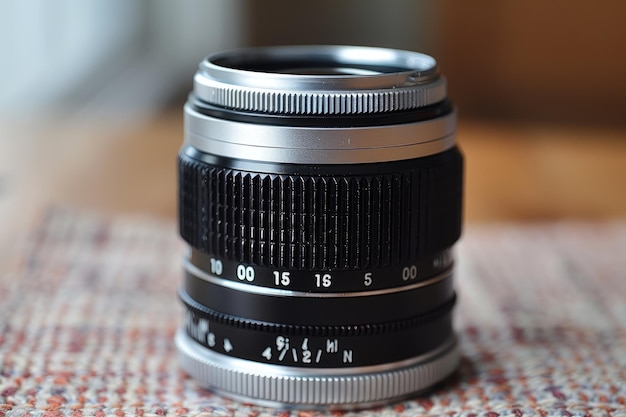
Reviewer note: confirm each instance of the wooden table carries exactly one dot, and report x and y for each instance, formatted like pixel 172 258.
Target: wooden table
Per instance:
pixel 513 172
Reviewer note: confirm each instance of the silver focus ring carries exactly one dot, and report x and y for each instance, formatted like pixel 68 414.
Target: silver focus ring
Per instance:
pixel 277 386
pixel 409 81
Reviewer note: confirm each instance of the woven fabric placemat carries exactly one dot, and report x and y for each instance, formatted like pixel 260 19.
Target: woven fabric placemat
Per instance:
pixel 88 315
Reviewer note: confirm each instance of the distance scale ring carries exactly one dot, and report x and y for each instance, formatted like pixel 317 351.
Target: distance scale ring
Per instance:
pixel 317 346
pixel 321 309
pixel 322 281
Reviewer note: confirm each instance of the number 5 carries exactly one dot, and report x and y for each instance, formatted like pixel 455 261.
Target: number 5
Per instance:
pixel 368 279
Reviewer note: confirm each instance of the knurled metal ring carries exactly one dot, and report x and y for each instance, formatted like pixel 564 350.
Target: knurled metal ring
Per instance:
pixel 344 388
pixel 278 81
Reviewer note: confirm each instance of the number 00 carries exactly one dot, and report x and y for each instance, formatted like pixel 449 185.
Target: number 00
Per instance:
pixel 409 272
pixel 245 273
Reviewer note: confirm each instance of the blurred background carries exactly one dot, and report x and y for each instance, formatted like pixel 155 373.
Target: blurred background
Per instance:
pixel 91 95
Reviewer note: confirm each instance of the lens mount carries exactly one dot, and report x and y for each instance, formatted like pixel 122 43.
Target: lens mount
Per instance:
pixel 335 388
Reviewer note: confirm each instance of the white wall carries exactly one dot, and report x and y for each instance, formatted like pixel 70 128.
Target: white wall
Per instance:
pixel 106 55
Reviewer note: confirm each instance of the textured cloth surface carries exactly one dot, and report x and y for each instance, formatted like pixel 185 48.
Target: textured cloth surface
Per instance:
pixel 88 316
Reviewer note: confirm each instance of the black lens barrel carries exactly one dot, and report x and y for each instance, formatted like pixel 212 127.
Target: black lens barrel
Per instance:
pixel 320 193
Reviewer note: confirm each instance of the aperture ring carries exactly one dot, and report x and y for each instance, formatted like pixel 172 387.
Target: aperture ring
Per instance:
pixel 281 344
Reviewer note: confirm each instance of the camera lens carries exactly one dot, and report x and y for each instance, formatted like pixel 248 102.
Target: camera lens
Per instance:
pixel 320 194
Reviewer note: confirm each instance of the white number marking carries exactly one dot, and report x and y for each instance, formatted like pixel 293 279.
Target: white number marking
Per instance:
pixel 324 280
pixel 267 353
pixel 216 266
pixel 245 273
pixel 228 347
pixel 409 272
pixel 282 278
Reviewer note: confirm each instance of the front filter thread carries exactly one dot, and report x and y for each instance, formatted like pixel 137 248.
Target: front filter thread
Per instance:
pixel 320 193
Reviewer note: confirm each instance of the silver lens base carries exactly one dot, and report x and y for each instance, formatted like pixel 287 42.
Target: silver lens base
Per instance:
pixel 290 387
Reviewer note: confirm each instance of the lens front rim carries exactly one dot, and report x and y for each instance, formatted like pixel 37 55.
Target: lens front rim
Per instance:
pixel 247 79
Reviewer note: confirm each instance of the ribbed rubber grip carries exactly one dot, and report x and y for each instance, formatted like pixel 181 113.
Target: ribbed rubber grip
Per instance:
pixel 393 214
